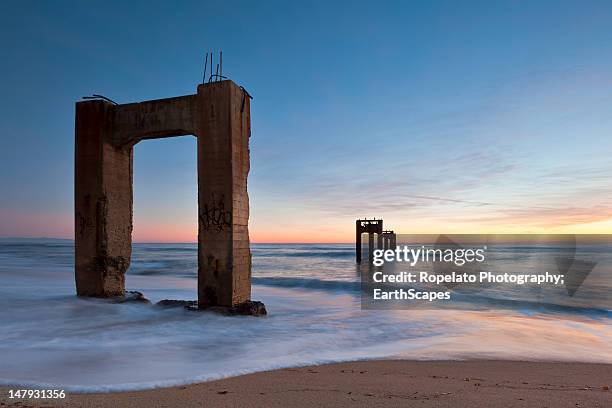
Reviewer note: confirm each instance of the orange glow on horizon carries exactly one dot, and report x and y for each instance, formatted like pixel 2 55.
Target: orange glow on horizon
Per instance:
pixel 23 224
pixel 169 234
pixel 345 234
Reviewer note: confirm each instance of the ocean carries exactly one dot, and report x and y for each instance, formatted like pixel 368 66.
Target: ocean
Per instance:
pixel 51 338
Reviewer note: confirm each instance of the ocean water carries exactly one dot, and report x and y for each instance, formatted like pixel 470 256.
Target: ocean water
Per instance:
pixel 51 338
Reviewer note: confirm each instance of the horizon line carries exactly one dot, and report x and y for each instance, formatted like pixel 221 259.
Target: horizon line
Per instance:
pixel 182 242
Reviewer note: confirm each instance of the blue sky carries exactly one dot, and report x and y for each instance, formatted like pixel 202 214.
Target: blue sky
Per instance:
pixel 440 117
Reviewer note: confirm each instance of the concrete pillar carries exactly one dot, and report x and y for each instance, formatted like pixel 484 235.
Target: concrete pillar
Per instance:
pixel 224 257
pixel 103 203
pixel 379 241
pixel 357 242
pixel 372 227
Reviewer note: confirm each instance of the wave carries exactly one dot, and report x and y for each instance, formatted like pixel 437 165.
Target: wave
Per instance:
pixel 309 254
pixel 309 283
pixel 141 386
pixel 313 295
pixel 193 249
pixel 463 301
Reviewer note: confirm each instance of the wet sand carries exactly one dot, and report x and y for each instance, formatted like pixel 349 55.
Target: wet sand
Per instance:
pixel 377 384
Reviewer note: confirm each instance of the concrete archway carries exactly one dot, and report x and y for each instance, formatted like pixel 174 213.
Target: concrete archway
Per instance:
pixel 105 134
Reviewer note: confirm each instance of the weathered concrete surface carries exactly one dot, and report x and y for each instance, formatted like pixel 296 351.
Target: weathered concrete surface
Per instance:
pixel 224 257
pixel 159 118
pixel 103 203
pixel 219 116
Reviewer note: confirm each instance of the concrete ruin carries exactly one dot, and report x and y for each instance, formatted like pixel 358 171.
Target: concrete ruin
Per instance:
pixel 389 240
pixel 370 227
pixel 218 115
pixel 384 239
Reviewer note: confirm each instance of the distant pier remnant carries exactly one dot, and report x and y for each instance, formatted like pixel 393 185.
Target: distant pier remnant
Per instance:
pixel 389 240
pixel 218 115
pixel 370 227
pixel 384 239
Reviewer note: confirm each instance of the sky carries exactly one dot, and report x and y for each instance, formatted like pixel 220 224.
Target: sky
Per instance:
pixel 439 117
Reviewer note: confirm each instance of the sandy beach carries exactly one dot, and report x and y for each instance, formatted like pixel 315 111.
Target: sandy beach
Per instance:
pixel 390 383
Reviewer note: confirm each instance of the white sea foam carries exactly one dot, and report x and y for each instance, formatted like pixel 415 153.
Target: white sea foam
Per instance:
pixel 52 339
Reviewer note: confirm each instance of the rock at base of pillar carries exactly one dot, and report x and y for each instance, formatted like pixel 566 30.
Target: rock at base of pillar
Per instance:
pixel 248 308
pixel 177 303
pixel 131 296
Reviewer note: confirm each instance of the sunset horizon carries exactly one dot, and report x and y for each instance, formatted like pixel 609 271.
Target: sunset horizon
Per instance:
pixel 347 204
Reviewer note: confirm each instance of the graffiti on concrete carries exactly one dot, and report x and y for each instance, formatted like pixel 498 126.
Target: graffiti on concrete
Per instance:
pixel 214 216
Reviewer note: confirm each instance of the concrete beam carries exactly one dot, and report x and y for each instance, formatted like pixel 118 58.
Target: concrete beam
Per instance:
pixel 158 118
